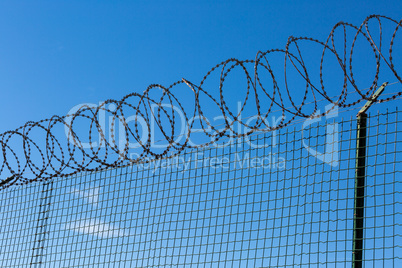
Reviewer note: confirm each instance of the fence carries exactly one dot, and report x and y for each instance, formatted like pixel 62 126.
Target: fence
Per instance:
pixel 293 194
pixel 276 199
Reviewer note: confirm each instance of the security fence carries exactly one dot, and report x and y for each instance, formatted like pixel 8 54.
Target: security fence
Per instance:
pixel 282 198
pixel 93 189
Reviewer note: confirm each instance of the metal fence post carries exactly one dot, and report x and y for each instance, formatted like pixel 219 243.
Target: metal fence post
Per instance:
pixel 360 174
pixel 358 217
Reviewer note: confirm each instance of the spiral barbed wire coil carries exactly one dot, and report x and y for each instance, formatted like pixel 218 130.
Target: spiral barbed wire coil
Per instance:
pixel 65 155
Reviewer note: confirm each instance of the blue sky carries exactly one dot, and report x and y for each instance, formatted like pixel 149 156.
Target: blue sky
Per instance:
pixel 57 54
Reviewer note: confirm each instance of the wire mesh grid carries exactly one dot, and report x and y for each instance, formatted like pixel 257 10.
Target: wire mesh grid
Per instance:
pixel 276 199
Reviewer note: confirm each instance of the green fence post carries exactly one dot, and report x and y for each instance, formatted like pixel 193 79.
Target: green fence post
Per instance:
pixel 358 217
pixel 360 174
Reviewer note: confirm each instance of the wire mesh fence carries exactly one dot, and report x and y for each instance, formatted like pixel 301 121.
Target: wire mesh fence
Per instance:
pixel 277 199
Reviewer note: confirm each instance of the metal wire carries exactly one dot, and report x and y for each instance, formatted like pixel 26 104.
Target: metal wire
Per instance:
pixel 39 151
pixel 266 200
pixel 272 196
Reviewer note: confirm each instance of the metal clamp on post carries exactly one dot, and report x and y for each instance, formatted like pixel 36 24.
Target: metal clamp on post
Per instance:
pixel 5 181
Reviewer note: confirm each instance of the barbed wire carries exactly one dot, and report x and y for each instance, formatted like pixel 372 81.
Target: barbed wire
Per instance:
pixel 26 158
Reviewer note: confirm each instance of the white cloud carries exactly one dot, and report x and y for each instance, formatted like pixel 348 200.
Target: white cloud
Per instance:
pixel 97 228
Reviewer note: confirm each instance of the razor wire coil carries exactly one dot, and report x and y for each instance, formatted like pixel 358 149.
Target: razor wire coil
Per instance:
pixel 65 158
